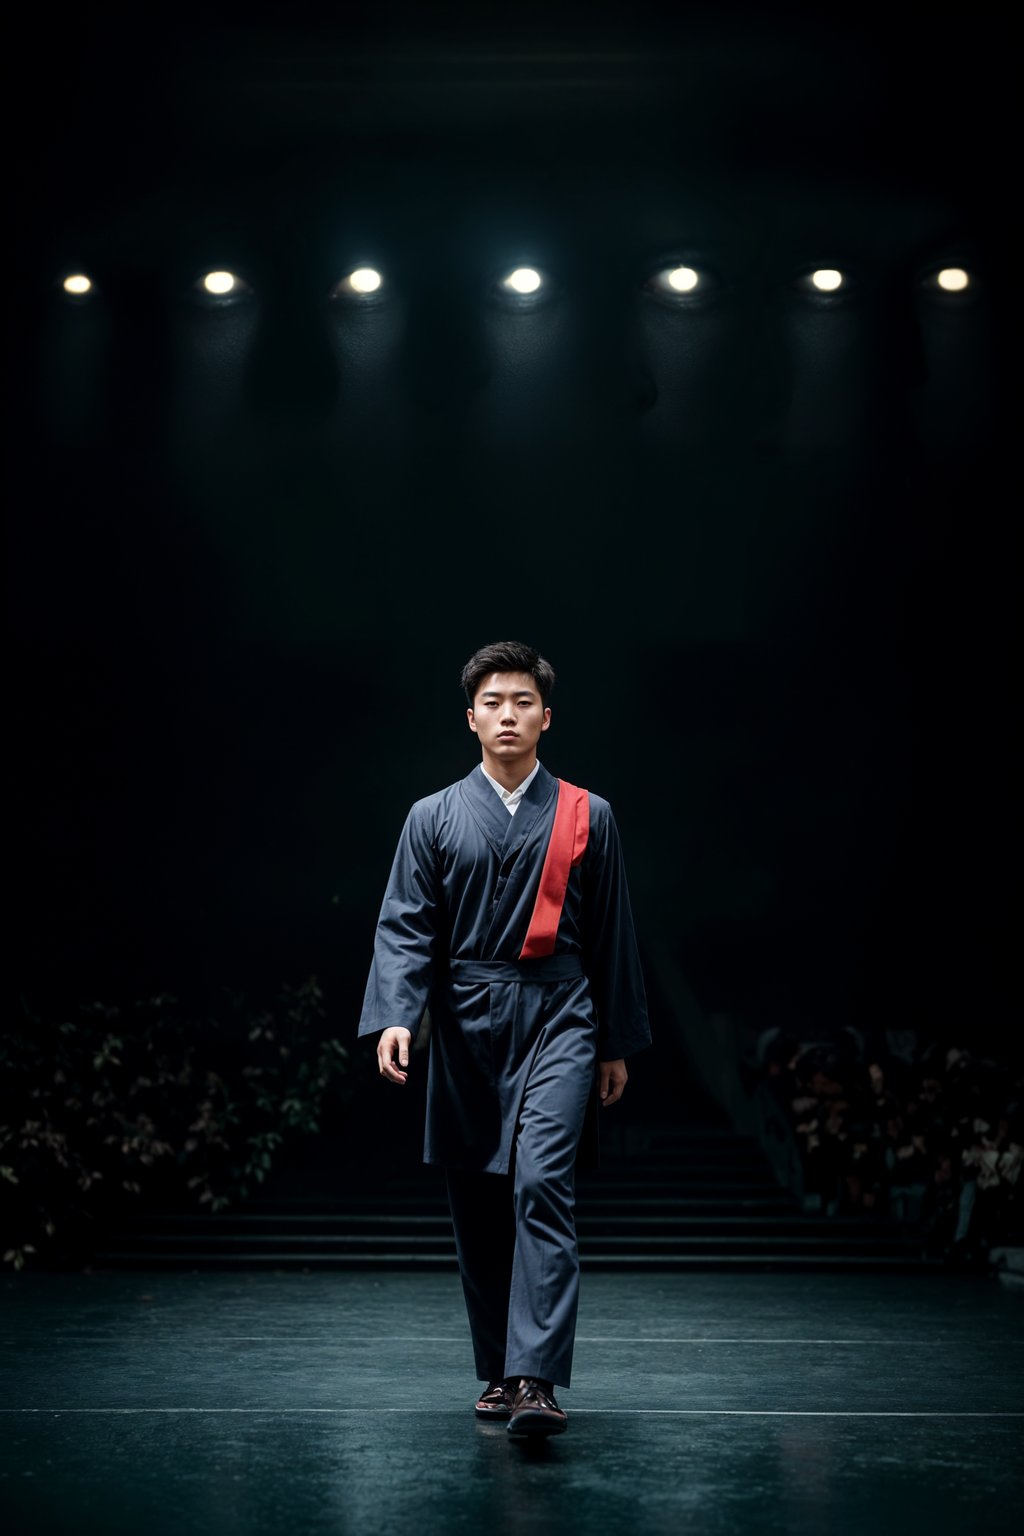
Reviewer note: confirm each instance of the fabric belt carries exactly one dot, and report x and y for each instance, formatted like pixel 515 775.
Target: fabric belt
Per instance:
pixel 544 968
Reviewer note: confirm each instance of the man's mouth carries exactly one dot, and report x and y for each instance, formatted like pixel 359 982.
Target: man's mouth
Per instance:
pixel 508 736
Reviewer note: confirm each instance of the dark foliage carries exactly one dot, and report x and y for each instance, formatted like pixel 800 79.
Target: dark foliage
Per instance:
pixel 151 1101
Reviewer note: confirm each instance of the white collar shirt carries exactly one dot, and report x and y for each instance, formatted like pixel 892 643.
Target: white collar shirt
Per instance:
pixel 510 798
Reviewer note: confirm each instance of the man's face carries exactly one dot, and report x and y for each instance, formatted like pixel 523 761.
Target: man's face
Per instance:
pixel 508 715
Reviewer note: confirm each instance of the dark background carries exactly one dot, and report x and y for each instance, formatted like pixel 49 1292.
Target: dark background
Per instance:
pixel 764 539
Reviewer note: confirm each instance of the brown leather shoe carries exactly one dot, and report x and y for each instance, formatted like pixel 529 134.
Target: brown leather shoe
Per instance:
pixel 534 1411
pixel 496 1402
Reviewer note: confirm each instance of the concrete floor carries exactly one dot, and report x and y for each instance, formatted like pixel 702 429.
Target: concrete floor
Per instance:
pixel 759 1402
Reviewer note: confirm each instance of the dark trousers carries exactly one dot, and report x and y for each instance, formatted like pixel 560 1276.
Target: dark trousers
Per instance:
pixel 515 1232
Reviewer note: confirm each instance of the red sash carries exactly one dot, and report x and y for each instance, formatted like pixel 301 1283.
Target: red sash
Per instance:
pixel 565 850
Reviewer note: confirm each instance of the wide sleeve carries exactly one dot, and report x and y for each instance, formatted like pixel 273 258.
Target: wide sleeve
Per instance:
pixel 404 947
pixel 610 955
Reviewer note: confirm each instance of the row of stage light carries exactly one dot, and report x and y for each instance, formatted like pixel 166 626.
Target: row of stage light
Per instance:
pixel 526 284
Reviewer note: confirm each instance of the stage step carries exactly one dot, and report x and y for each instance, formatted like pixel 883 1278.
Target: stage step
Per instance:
pixel 678 1200
pixel 905 1262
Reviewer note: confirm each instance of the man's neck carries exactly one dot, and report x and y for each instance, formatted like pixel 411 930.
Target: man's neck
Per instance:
pixel 509 774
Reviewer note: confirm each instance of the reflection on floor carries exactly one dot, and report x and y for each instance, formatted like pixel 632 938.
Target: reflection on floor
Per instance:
pixel 342 1402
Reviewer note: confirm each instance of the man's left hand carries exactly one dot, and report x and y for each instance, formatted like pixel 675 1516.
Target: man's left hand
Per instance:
pixel 613 1077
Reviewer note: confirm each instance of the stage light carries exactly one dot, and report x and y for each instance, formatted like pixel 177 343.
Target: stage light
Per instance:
pixel 219 283
pixel 522 280
pixel 680 286
pixel 522 288
pixel 827 279
pixel 952 279
pixel 682 279
pixel 78 284
pixel 365 280
pixel 363 284
pixel 221 289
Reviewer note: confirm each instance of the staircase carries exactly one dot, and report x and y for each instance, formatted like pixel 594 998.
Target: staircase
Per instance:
pixel 663 1199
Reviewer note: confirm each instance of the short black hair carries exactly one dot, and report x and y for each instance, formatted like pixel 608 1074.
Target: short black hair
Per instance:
pixel 508 656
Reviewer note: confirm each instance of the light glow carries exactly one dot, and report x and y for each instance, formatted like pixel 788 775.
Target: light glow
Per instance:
pixel 827 279
pixel 219 282
pixel 77 283
pixel 523 280
pixel 952 279
pixel 682 279
pixel 364 280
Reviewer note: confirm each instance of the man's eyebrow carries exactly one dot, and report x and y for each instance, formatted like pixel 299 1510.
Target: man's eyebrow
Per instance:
pixel 492 693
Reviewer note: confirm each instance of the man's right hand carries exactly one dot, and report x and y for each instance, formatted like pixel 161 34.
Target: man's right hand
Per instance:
pixel 393 1040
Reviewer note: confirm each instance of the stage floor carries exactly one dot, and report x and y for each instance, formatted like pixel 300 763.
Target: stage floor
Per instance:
pixel 222 1403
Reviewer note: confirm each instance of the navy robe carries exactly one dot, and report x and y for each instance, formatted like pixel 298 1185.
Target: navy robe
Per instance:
pixel 462 888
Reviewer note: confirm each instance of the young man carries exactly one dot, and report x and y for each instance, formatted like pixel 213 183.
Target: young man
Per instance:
pixel 507 912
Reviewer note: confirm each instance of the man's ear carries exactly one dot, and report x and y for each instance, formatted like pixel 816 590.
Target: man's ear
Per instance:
pixel 547 719
pixel 471 719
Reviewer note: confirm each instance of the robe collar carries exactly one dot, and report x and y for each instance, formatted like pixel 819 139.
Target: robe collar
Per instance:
pixel 506 833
